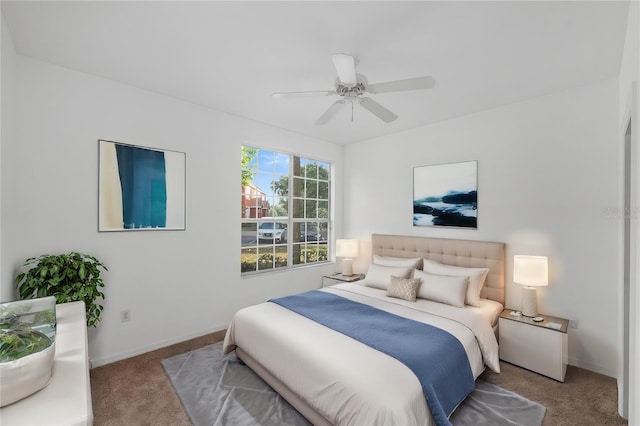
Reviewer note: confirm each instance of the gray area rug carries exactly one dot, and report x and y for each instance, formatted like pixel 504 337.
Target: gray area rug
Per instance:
pixel 220 390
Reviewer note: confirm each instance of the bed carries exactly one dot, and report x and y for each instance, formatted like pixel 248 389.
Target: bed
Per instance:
pixel 331 378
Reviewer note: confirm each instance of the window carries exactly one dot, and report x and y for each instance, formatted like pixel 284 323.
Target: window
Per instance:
pixel 284 210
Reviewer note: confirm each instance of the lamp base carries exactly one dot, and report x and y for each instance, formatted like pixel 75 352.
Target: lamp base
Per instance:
pixel 347 267
pixel 529 302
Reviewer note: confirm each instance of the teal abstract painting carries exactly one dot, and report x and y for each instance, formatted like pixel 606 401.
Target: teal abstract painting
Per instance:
pixel 140 188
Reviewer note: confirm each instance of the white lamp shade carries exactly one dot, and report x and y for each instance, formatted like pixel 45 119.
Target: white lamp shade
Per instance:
pixel 347 248
pixel 530 270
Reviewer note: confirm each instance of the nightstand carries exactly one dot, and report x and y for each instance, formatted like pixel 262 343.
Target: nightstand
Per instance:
pixel 533 345
pixel 329 280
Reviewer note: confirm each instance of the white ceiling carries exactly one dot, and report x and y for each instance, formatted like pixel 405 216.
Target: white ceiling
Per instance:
pixel 231 56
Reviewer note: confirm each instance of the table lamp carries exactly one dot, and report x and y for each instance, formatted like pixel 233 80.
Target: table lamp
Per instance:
pixel 347 250
pixel 532 272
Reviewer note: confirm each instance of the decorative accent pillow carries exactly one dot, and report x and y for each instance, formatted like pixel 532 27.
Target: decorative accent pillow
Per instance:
pixel 476 277
pixel 449 289
pixel 413 263
pixel 379 276
pixel 403 288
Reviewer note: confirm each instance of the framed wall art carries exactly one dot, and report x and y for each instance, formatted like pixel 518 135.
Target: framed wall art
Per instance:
pixel 140 189
pixel 446 195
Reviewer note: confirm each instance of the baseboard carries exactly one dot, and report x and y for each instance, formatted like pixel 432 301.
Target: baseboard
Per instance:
pixel 593 367
pixel 144 349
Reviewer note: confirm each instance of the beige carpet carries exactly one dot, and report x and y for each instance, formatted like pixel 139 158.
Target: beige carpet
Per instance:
pixel 136 391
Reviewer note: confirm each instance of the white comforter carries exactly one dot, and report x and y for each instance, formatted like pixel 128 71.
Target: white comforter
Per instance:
pixel 343 379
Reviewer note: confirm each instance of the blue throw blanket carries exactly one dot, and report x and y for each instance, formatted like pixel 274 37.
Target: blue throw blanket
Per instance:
pixel 436 357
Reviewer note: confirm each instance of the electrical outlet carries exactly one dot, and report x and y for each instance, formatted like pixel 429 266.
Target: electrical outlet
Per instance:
pixel 125 316
pixel 573 323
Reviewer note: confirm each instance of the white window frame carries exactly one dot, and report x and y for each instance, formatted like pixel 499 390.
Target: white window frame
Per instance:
pixel 322 244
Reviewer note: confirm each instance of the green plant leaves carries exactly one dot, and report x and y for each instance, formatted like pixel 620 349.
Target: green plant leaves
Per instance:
pixel 69 277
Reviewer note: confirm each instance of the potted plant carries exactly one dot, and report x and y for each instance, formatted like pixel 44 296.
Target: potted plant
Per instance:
pixel 69 277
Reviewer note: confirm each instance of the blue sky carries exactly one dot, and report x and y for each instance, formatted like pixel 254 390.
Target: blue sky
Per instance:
pixel 271 166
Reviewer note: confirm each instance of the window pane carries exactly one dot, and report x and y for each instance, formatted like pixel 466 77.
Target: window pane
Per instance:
pixel 323 171
pixel 262 182
pixel 279 185
pixel 272 232
pixel 311 188
pixel 316 253
pixel 249 234
pixel 298 254
pixel 311 209
pixel 248 164
pixel 311 169
pixel 298 208
pixel 311 253
pixel 281 164
pixel 253 203
pixel 265 161
pixel 324 232
pixel 299 166
pixel 249 158
pixel 279 192
pixel 297 232
pixel 281 256
pixel 248 260
pixel 309 232
pixel 298 187
pixel 307 254
pixel 278 207
pixel 265 258
pixel 245 205
pixel 323 209
pixel 323 190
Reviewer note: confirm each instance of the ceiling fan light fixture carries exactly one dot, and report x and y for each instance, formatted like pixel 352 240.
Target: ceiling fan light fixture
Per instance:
pixel 351 87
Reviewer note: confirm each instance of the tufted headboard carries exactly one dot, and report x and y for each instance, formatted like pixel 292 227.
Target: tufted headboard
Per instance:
pixel 468 253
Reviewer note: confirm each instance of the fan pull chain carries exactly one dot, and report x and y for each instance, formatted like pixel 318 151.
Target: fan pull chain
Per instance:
pixel 352 112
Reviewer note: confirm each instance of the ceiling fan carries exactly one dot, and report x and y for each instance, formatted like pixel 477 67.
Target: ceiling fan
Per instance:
pixel 351 87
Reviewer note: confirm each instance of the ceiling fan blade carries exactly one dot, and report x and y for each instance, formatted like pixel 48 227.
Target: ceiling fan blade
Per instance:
pixel 417 83
pixel 345 67
pixel 378 110
pixel 307 94
pixel 329 113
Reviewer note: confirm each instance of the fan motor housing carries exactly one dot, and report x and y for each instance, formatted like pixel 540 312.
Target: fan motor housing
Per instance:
pixel 346 91
pixel 352 90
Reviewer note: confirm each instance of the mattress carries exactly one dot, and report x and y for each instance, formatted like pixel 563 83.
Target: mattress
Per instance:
pixel 490 309
pixel 344 380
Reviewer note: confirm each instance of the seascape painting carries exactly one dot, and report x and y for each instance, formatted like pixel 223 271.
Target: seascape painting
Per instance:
pixel 140 188
pixel 446 195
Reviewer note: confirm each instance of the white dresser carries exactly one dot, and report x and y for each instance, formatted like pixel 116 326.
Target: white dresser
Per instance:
pixel 66 401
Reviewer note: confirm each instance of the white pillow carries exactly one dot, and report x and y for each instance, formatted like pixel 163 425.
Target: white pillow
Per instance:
pixel 412 263
pixel 379 276
pixel 449 289
pixel 476 277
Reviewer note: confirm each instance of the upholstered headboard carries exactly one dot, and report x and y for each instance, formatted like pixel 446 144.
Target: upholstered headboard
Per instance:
pixel 468 253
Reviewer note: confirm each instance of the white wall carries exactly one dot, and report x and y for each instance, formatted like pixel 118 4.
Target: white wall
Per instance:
pixel 628 109
pixel 547 172
pixel 548 168
pixel 177 284
pixel 7 64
